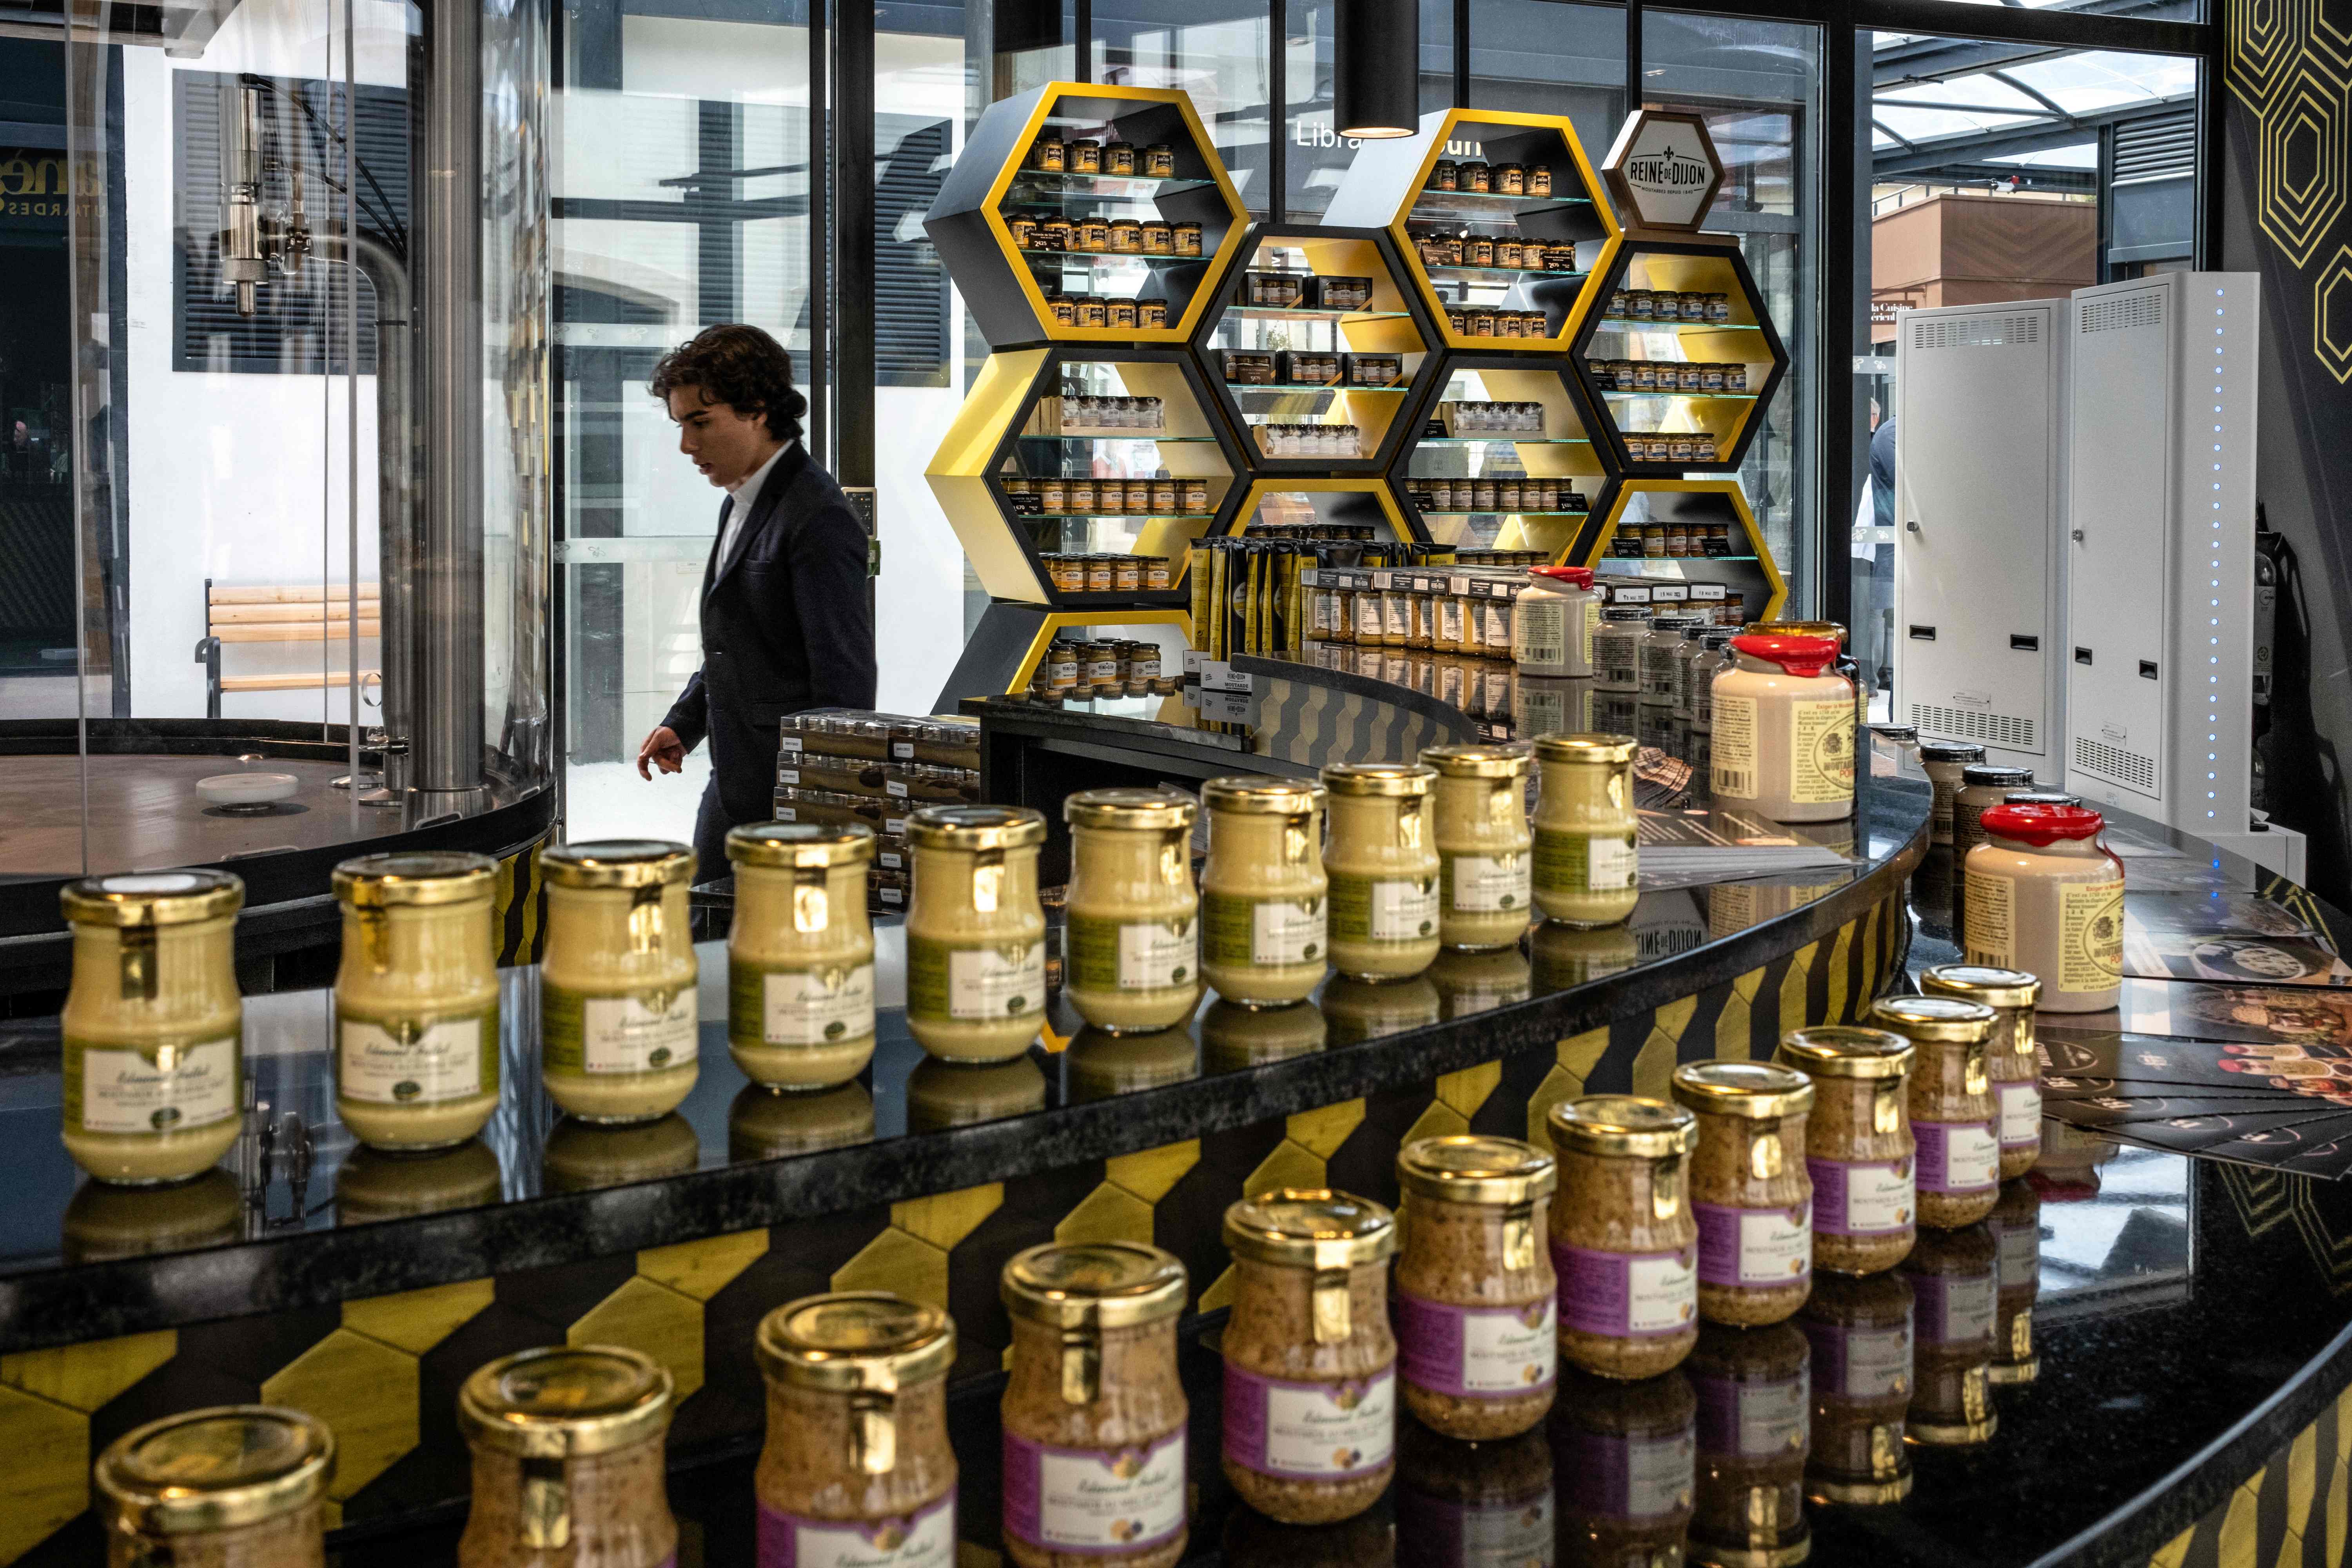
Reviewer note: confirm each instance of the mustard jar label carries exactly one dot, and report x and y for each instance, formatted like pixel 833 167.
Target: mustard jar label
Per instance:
pixel 2090 935
pixel 1734 770
pixel 1133 955
pixel 169 1089
pixel 1820 751
pixel 1368 909
pixel 1585 862
pixel 1486 884
pixel 819 1006
pixel 975 983
pixel 407 1063
pixel 646 1033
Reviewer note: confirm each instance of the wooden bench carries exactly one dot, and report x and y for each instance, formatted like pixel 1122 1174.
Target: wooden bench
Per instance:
pixel 307 614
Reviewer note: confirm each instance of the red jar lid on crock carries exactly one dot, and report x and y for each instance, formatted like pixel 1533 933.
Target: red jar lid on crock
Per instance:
pixel 2040 825
pixel 1574 576
pixel 1805 656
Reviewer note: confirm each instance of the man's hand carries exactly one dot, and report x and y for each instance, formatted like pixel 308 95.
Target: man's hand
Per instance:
pixel 664 749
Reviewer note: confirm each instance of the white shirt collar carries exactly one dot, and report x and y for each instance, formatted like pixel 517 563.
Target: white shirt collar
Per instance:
pixel 746 491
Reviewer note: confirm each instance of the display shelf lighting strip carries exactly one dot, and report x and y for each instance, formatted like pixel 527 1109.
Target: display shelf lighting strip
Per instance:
pixel 2213 679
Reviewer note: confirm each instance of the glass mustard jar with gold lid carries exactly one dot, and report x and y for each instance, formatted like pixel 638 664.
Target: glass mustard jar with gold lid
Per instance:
pixel 237 1486
pixel 2011 1062
pixel 975 931
pixel 1749 1189
pixel 618 1019
pixel 1953 1115
pixel 1310 1362
pixel 1586 858
pixel 417 998
pixel 1384 869
pixel 154 1025
pixel 1133 937
pixel 1485 852
pixel 800 954
pixel 568 1444
pixel 1859 1150
pixel 1264 891
pixel 1094 1414
pixel 856 1468
pixel 1624 1241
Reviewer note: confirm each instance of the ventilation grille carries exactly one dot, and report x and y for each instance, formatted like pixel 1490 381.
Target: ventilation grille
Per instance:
pixel 1976 331
pixel 2156 147
pixel 2123 767
pixel 1966 724
pixel 2144 308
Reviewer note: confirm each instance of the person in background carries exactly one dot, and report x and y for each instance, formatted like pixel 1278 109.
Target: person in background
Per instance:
pixel 785 623
pixel 1874 560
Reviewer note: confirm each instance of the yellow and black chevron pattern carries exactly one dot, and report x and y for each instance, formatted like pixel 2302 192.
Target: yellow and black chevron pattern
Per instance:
pixel 2290 1514
pixel 384 1371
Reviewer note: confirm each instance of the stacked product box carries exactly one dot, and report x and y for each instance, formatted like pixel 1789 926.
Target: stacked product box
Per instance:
pixel 839 765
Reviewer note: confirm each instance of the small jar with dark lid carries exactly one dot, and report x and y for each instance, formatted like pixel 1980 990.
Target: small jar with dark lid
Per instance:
pixel 1956 1283
pixel 417 999
pixel 800 954
pixel 1623 1239
pixel 567 1444
pixel 1476 1291
pixel 856 1466
pixel 1945 762
pixel 2010 1060
pixel 1859 1150
pixel 2039 797
pixel 153 1025
pixel 1310 1364
pixel 1983 785
pixel 238 1486
pixel 1094 1414
pixel 1749 1190
pixel 1860 1330
pixel 1952 1114
pixel 618 1024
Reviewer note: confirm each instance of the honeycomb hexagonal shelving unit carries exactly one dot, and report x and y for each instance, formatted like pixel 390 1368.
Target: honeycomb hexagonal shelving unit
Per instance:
pixel 1504 424
pixel 1307 500
pixel 1021 472
pixel 993 219
pixel 1393 185
pixel 1699 352
pixel 1615 542
pixel 1297 346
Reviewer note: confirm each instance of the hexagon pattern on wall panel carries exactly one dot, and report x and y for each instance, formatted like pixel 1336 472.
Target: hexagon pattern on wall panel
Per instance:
pixel 1609 544
pixel 1389 184
pixel 994 217
pixel 1297 344
pixel 1509 423
pixel 1022 471
pixel 1622 351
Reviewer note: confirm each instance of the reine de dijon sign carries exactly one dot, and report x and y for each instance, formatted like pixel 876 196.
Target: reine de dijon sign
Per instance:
pixel 1662 170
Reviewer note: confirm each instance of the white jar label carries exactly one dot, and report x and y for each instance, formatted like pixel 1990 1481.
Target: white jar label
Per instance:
pixel 1269 931
pixel 1620 1477
pixel 2021 1115
pixel 925 1539
pixel 1585 862
pixel 1733 768
pixel 1626 1295
pixel 1956 1309
pixel 1760 1420
pixel 1957 1156
pixel 1754 1247
pixel 1396 908
pixel 1323 1430
pixel 1488 884
pixel 1539 635
pixel 1592 621
pixel 1477 1352
pixel 980 985
pixel 409 1065
pixel 816 1006
pixel 1862 1197
pixel 176 1089
pixel 1133 955
pixel 1859 1362
pixel 1989 926
pixel 2090 935
pixel 1820 749
pixel 631 1033
pixel 1088 1500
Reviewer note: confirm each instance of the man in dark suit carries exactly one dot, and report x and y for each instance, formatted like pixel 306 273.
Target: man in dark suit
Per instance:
pixel 784 619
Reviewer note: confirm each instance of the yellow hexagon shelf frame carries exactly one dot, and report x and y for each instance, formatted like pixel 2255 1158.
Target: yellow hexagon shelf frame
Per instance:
pixel 1565 450
pixel 1633 503
pixel 1387 187
pixel 999 280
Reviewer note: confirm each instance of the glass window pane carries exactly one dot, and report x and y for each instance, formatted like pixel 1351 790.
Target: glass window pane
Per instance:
pixel 1316 157
pixel 1213 49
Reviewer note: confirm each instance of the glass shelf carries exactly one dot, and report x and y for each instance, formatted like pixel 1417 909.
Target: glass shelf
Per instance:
pixel 1635 324
pixel 1097 187
pixel 1428 203
pixel 1300 313
pixel 1088 260
pixel 1672 560
pixel 1504 440
pixel 1448 272
pixel 1116 435
pixel 1522 512
pixel 1702 396
pixel 1298 387
pixel 1110 516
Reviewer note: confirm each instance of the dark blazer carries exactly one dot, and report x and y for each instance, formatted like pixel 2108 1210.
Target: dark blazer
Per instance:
pixel 784 626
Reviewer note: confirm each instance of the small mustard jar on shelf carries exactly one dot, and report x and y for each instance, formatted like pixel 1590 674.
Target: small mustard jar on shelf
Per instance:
pixel 618 1019
pixel 239 1485
pixel 568 1444
pixel 1133 938
pixel 800 954
pixel 975 931
pixel 1383 869
pixel 154 1025
pixel 417 998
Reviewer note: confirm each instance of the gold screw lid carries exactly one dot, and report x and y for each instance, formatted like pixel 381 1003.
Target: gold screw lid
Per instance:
pixel 413 878
pixel 1622 1124
pixel 1586 747
pixel 617 863
pixel 1941 1018
pixel 1757 1090
pixel 1093 1285
pixel 1361 779
pixel 1144 810
pixel 806 845
pixel 1262 792
pixel 152 897
pixel 1982 983
pixel 1507 761
pixel 1310 1227
pixel 1471 1168
pixel 215 1470
pixel 975 827
pixel 855 1340
pixel 564 1401
pixel 1840 1050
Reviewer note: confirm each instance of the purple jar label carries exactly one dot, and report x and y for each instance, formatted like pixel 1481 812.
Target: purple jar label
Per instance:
pixel 1860 1361
pixel 1753 1247
pixel 1754 1420
pixel 1956 1309
pixel 1958 1156
pixel 1085 1500
pixel 2021 1114
pixel 1473 1352
pixel 1611 1476
pixel 1324 1431
pixel 1626 1295
pixel 924 1539
pixel 1863 1197
pixel 1513 1533
pixel 2021 1256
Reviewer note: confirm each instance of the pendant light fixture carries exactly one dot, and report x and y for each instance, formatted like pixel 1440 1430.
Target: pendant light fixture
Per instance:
pixel 1376 73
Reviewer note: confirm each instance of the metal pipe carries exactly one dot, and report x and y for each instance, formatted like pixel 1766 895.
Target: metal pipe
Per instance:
pixel 446 723
pixel 241 262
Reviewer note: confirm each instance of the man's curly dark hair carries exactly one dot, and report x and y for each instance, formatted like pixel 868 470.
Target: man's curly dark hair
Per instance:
pixel 738 366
